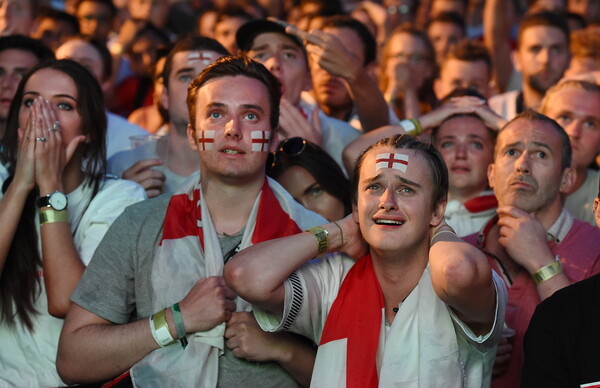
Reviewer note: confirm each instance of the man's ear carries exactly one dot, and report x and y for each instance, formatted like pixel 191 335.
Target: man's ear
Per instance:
pixel 437 88
pixel 490 175
pixel 191 136
pixel 567 180
pixel 438 213
pixel 164 98
pixel 354 213
pixel 515 56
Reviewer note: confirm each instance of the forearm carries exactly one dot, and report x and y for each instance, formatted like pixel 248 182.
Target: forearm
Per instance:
pixel 369 102
pixel 257 273
pixel 550 285
pixel 11 209
pixel 297 357
pixel 61 264
pixel 496 39
pixel 100 351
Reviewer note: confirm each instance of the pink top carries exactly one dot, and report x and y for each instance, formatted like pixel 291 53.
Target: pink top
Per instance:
pixel 579 253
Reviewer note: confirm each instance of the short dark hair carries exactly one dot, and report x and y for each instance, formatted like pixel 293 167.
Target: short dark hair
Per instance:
pixel 191 43
pixel 108 3
pixel 439 171
pixel 232 66
pixel 24 43
pixel 544 18
pixel 326 171
pixel 448 18
pixel 531 115
pixel 367 39
pixel 470 51
pixel 60 16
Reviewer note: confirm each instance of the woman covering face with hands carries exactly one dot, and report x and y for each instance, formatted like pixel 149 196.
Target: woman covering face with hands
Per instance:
pixel 56 206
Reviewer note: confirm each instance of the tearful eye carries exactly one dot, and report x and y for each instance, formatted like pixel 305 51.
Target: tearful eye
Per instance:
pixel 28 102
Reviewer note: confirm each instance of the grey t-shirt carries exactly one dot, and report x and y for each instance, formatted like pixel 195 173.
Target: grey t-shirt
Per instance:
pixel 121 267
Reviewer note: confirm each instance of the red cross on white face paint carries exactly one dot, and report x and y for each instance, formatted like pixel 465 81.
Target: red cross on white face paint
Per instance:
pixel 205 57
pixel 391 160
pixel 260 140
pixel 206 140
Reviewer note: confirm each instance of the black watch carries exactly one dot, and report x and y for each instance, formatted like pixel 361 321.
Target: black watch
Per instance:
pixel 57 201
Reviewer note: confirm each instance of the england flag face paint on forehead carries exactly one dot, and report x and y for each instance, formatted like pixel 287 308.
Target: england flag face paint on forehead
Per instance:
pixel 260 140
pixel 206 140
pixel 391 160
pixel 203 56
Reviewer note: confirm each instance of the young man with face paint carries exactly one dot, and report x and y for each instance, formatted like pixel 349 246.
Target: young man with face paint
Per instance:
pixel 176 161
pixel 161 265
pixel 416 293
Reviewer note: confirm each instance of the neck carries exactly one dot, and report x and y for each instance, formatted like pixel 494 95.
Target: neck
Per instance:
pixel 398 278
pixel 531 97
pixel 230 204
pixel 340 113
pixel 182 160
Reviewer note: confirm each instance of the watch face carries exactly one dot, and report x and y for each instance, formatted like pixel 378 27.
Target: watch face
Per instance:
pixel 58 201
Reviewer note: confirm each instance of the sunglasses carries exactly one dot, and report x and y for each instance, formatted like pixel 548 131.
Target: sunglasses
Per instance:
pixel 290 148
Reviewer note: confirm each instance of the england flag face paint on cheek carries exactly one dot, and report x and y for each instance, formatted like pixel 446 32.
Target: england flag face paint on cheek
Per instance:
pixel 206 140
pixel 391 160
pixel 260 140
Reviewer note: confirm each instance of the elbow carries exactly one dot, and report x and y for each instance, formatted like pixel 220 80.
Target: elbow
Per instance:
pixel 244 283
pixel 58 309
pixel 66 365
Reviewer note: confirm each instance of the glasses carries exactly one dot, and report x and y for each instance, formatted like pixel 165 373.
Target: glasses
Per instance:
pixel 398 9
pixel 416 57
pixel 291 148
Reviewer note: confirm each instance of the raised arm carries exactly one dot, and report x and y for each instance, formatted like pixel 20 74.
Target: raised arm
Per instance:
pixel 258 273
pixel 329 52
pixel 462 278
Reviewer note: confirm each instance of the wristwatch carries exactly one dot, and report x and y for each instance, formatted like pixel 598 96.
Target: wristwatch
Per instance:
pixel 56 201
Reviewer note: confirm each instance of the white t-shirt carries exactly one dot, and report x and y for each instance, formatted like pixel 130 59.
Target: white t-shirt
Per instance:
pixel 441 349
pixel 28 359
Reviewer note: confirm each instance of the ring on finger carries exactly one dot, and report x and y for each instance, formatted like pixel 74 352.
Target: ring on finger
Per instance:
pixel 55 127
pixel 42 139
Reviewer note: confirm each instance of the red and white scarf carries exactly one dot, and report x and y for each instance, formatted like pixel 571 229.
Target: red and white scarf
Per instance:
pixel 188 251
pixel 419 350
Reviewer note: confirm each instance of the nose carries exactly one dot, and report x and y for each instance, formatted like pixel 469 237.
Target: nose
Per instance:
pixel 8 81
pixel 461 151
pixel 574 129
pixel 544 56
pixel 522 164
pixel 273 63
pixel 387 201
pixel 232 129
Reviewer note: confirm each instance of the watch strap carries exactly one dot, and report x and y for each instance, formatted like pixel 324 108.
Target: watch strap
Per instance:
pixel 321 236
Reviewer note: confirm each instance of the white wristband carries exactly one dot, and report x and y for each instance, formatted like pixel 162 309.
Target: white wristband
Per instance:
pixel 160 329
pixel 407 125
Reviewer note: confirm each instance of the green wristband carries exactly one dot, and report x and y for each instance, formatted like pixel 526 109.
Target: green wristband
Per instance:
pixel 179 326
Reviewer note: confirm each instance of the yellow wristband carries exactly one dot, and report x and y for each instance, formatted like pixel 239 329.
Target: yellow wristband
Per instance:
pixel 547 272
pixel 321 236
pixel 49 216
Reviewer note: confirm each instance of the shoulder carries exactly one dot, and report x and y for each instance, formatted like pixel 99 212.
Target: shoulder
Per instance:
pixel 116 121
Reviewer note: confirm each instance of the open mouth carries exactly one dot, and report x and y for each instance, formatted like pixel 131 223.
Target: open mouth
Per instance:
pixel 231 152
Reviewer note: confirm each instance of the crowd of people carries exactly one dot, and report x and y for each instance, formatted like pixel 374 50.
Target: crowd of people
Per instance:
pixel 340 193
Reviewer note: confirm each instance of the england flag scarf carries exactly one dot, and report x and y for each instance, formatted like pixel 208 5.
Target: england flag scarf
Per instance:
pixel 189 251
